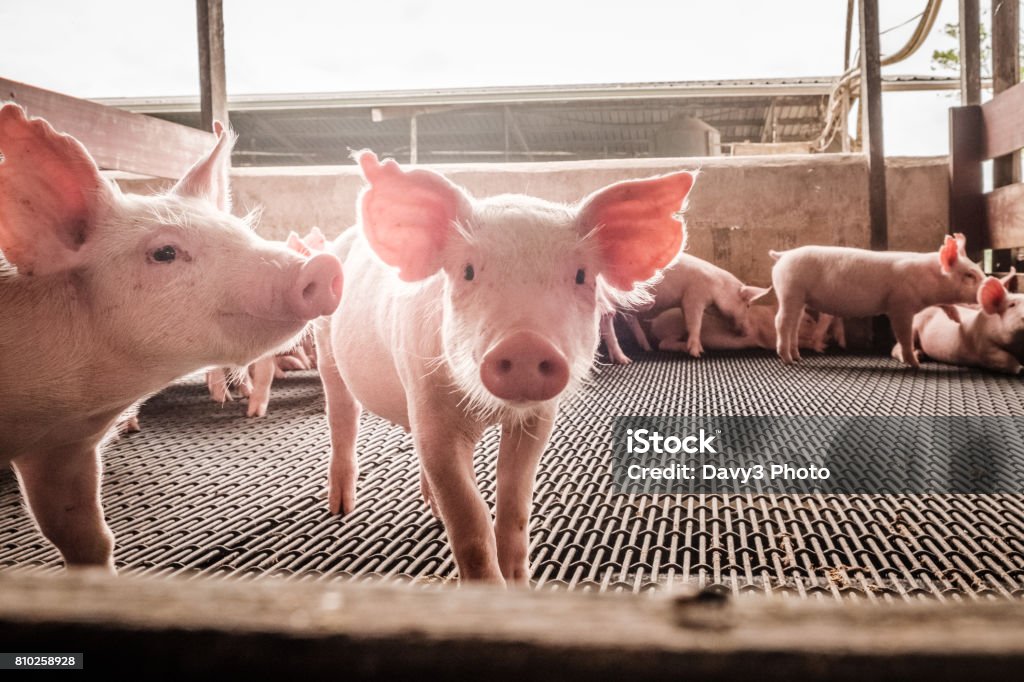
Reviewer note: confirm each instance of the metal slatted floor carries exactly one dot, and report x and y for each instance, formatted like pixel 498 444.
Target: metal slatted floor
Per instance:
pixel 204 489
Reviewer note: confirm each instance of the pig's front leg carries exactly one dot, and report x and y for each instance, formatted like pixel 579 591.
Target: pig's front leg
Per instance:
pixel 217 384
pixel 518 455
pixel 611 341
pixel 693 311
pixel 428 496
pixel 262 377
pixel 638 332
pixel 445 438
pixel 819 339
pixel 63 494
pixel 903 328
pixel 787 329
pixel 343 422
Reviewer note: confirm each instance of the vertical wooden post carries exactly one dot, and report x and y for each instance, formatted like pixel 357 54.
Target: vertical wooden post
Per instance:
pixel 871 103
pixel 849 35
pixel 966 204
pixel 844 122
pixel 213 94
pixel 1005 74
pixel 970 53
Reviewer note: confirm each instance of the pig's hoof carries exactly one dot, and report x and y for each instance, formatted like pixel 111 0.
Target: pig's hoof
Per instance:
pixel 695 350
pixel 341 501
pixel 256 410
pixel 621 359
pixel 434 511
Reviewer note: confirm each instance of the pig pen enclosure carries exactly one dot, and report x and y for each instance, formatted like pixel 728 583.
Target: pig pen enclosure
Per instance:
pixel 204 492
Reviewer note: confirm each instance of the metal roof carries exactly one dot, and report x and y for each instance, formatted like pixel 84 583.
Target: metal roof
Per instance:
pixel 512 123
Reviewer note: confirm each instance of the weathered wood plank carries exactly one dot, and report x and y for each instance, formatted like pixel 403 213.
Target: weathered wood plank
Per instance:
pixel 1004 208
pixel 970 52
pixel 966 202
pixel 118 140
pixel 272 627
pixel 871 101
pixel 1006 75
pixel 213 92
pixel 1004 123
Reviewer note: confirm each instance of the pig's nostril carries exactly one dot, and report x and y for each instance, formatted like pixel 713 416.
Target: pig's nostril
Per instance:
pixel 545 368
pixel 505 366
pixel 310 291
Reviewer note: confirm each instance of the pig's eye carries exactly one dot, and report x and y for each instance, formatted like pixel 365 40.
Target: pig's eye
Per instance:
pixel 581 276
pixel 469 273
pixel 165 254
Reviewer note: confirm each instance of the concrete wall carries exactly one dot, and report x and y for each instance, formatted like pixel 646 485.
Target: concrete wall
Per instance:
pixel 739 208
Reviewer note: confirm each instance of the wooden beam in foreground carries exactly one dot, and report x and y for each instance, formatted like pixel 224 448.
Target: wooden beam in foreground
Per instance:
pixel 268 627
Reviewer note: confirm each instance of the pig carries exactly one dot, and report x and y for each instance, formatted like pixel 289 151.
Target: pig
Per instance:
pixel 461 313
pixel 991 336
pixel 255 380
pixel 108 297
pixel 850 282
pixel 694 285
pixel 669 329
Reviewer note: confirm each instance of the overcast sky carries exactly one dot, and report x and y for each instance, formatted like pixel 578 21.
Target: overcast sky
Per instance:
pixel 108 48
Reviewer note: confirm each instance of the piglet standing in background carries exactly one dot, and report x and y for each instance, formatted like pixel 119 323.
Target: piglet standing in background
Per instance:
pixel 849 282
pixel 991 337
pixel 691 285
pixel 113 296
pixel 694 285
pixel 462 313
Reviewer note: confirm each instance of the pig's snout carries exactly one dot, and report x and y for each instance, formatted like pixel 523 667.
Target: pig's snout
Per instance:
pixel 317 287
pixel 524 367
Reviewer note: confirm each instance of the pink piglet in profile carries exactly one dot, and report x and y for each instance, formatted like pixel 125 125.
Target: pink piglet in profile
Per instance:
pixel 108 297
pixel 847 282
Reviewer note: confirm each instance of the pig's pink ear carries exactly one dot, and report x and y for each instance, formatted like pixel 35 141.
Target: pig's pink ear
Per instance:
pixel 296 244
pixel 992 296
pixel 949 253
pixel 208 178
pixel 1010 281
pixel 750 294
pixel 961 243
pixel 51 195
pixel 408 216
pixel 637 225
pixel 315 239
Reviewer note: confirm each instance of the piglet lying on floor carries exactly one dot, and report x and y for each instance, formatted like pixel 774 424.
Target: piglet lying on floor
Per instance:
pixel 848 282
pixel 108 297
pixel 669 330
pixel 991 336
pixel 461 313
